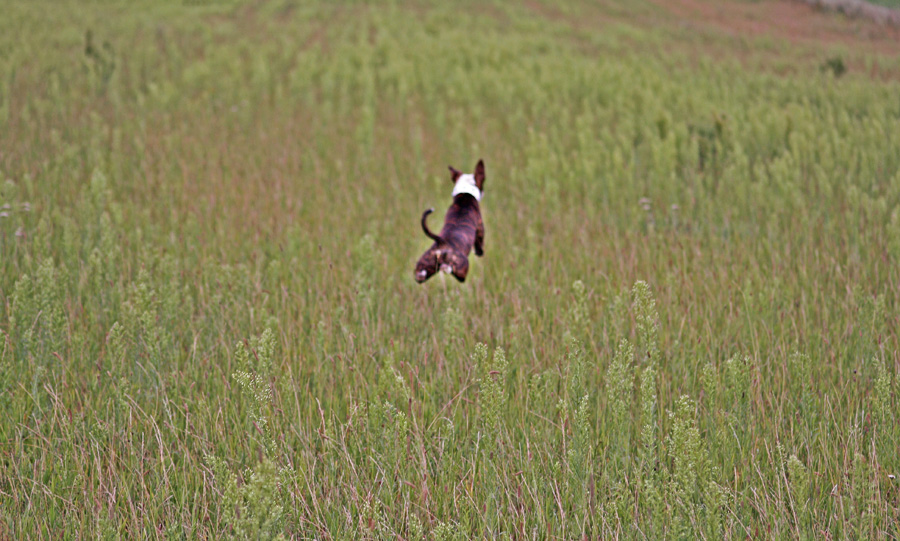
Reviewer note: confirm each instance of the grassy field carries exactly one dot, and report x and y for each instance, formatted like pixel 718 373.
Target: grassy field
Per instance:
pixel 685 324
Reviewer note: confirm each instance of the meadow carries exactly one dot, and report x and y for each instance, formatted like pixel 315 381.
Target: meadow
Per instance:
pixel 685 324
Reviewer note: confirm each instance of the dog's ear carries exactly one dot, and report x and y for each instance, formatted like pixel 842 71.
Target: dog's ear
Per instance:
pixel 479 175
pixel 454 174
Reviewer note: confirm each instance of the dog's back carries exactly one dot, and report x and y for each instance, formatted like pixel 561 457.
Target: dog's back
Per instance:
pixel 461 223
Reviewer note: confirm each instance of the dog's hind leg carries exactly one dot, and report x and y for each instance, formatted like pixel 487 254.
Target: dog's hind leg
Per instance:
pixel 459 265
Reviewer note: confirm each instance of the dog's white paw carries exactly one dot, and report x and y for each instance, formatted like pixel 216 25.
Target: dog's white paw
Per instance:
pixel 446 268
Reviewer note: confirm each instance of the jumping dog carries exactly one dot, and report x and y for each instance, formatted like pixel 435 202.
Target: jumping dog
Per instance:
pixel 463 229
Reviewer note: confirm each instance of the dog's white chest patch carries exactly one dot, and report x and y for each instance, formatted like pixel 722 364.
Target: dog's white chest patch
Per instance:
pixel 466 184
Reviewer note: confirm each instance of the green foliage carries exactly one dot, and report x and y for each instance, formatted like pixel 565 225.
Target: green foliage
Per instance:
pixel 101 62
pixel 579 316
pixel 648 415
pixel 798 478
pixel 492 393
pixel 453 331
pixel 619 386
pixel 834 65
pixel 364 272
pixel 801 384
pixel 36 319
pixel 579 462
pixel 647 322
pixel 737 381
pixel 576 370
pixel 252 507
pixel 690 468
pixel 883 396
pixel 862 483
pixel 254 377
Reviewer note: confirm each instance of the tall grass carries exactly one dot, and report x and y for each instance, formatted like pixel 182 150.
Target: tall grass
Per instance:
pixel 685 323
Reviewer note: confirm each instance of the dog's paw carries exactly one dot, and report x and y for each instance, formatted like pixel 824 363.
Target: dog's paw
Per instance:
pixel 446 268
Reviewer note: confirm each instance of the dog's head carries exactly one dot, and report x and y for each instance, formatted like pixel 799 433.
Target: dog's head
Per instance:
pixel 471 184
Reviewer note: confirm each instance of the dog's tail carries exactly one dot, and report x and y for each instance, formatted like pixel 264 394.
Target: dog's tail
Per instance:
pixel 427 231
